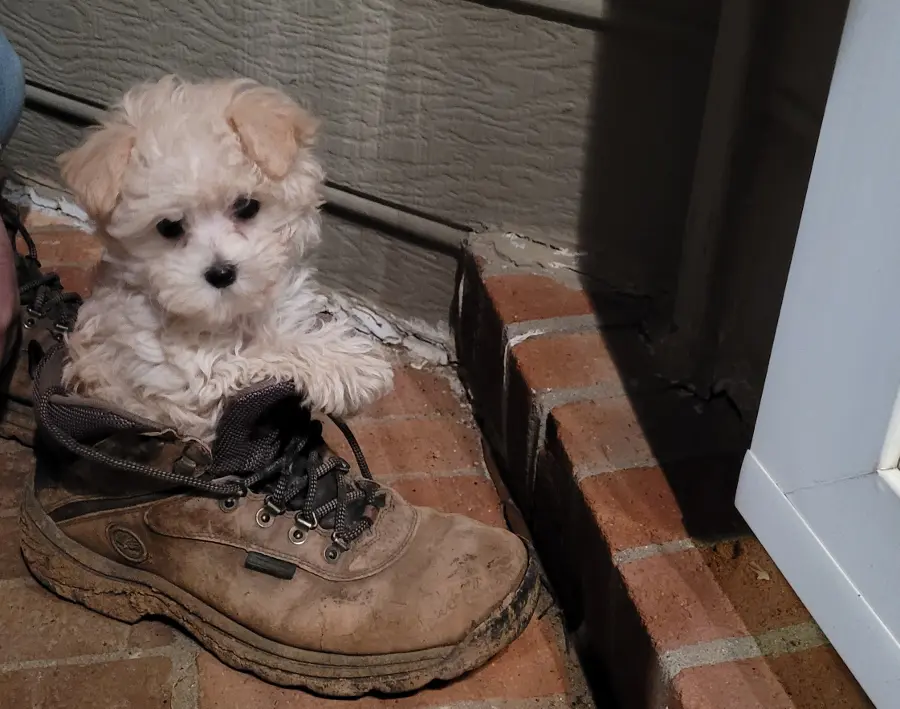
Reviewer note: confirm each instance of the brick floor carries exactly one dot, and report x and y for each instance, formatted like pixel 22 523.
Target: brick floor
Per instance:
pixel 47 640
pixel 628 499
pixel 627 486
pixel 422 439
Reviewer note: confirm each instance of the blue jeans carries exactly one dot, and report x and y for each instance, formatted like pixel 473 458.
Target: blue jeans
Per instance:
pixel 12 90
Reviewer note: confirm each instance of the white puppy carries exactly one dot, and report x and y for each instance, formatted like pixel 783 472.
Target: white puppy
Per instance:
pixel 206 198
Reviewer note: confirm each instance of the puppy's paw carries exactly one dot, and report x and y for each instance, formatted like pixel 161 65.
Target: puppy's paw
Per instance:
pixel 349 384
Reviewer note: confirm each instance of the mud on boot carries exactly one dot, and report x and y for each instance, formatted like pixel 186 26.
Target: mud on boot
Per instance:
pixel 266 548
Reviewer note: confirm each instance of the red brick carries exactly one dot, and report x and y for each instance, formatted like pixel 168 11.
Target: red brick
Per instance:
pixel 754 585
pixel 470 495
pixel 65 246
pixel 622 432
pixel 11 564
pixel 818 679
pixel 480 345
pixel 746 684
pixel 150 634
pixel 417 393
pixel 559 516
pixel 16 461
pixel 35 220
pixel 38 625
pixel 525 296
pixel 567 361
pixel 128 684
pixel 680 601
pixel 403 446
pixel 75 279
pixel 634 508
pixel 531 668
pixel 539 364
pixel 600 436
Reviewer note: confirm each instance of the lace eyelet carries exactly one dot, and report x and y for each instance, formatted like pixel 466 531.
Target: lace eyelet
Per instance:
pixel 332 554
pixel 308 524
pixel 270 505
pixel 298 536
pixel 29 323
pixel 264 517
pixel 229 504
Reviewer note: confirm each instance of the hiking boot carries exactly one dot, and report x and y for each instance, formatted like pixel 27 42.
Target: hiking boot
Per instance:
pixel 47 312
pixel 265 547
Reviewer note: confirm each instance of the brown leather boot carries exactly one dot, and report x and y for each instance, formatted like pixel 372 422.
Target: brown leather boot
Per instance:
pixel 266 548
pixel 47 312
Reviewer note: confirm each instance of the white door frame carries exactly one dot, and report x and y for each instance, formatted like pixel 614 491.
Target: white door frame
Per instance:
pixel 810 486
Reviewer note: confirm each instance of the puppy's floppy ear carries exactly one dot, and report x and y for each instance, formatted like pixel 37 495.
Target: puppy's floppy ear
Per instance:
pixel 94 170
pixel 272 128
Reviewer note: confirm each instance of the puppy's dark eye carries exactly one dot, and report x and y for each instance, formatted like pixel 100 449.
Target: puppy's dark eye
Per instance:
pixel 245 208
pixel 170 229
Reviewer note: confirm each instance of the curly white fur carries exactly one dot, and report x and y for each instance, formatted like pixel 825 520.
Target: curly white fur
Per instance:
pixel 155 338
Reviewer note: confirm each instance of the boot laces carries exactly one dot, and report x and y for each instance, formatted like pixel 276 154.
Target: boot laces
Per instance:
pixel 41 294
pixel 297 475
pixel 293 481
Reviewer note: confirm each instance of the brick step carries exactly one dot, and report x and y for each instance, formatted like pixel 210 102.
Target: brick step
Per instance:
pixel 626 484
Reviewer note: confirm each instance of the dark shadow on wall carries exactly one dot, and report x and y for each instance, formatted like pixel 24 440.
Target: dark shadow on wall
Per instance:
pixel 648 106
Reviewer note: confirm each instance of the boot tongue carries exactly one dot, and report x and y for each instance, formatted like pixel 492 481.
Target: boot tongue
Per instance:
pixel 255 430
pixel 251 431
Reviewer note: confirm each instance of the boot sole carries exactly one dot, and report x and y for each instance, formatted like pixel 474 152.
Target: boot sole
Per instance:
pixel 17 422
pixel 127 594
pixel 16 415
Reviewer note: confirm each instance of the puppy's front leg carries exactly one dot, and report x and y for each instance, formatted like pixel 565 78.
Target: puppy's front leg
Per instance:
pixel 336 369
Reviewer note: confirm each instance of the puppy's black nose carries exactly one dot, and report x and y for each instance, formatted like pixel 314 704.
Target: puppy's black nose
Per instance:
pixel 221 275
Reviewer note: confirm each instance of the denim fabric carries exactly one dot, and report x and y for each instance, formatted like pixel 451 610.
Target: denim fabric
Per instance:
pixel 12 90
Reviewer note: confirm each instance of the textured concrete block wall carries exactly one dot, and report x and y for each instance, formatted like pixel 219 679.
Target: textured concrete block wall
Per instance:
pixel 468 113
pixel 795 51
pixel 575 136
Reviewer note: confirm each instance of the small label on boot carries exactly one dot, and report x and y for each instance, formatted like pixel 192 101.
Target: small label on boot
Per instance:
pixel 269 565
pixel 127 544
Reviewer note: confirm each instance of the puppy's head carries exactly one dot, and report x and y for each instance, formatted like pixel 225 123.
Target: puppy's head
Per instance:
pixel 204 193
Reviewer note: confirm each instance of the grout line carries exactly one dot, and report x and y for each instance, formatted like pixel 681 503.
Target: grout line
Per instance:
pixel 457 417
pixel 18 582
pixel 557 325
pixel 627 556
pixel 84 660
pixel 596 471
pixel 553 701
pixel 793 638
pixel 515 334
pixel 477 472
pixel 460 294
pixel 709 653
pixel 184 678
pixel 507 342
pixel 552 398
pixel 790 639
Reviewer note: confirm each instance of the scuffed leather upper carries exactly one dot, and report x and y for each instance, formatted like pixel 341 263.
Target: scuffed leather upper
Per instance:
pixel 417 579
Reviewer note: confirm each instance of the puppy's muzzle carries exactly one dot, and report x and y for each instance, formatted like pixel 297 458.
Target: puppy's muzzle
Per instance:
pixel 221 275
